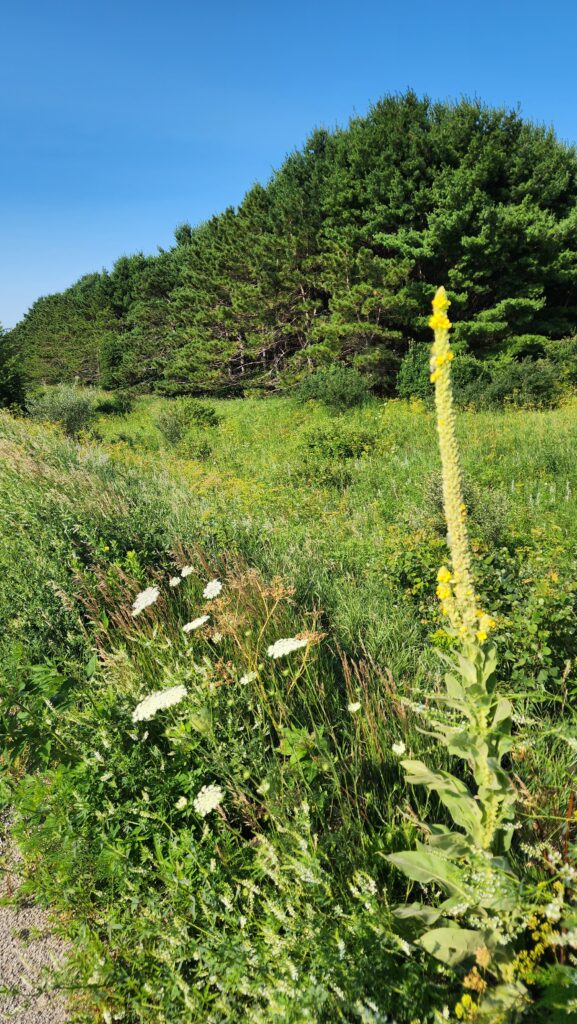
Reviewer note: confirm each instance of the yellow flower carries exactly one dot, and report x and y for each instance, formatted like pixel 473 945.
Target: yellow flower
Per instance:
pixel 443 575
pixel 443 591
pixel 481 635
pixel 439 322
pixel 441 302
pixel 461 607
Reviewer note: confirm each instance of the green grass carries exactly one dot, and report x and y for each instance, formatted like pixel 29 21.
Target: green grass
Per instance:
pixel 306 539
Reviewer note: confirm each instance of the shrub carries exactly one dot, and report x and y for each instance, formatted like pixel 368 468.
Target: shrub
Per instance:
pixel 471 377
pixel 72 407
pixel 175 420
pixel 340 442
pixel 12 375
pixel 118 403
pixel 528 384
pixel 413 379
pixel 195 445
pixel 338 386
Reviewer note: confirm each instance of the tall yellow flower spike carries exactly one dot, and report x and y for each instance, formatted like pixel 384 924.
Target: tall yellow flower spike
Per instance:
pixel 456 591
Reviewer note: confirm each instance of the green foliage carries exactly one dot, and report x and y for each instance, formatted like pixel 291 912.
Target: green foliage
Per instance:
pixel 175 420
pixel 12 373
pixel 72 407
pixel 528 384
pixel 274 910
pixel 117 403
pixel 334 260
pixel 338 387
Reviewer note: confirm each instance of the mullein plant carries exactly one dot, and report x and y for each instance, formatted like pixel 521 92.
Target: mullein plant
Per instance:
pixel 483 917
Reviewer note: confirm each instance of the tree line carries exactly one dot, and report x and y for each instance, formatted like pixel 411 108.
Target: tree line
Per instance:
pixel 335 259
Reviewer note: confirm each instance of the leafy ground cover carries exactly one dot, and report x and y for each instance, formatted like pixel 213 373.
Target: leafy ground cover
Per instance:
pixel 277 903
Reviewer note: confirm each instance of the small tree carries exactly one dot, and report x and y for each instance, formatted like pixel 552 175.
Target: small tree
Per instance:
pixel 12 375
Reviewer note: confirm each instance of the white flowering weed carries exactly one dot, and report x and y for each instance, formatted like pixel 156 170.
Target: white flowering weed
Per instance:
pixel 144 600
pixel 195 624
pixel 280 648
pixel 157 701
pixel 212 589
pixel 207 800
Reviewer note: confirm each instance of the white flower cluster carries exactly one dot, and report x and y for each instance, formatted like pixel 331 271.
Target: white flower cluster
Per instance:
pixel 195 624
pixel 157 701
pixel 280 648
pixel 248 678
pixel 212 589
pixel 144 600
pixel 186 570
pixel 207 800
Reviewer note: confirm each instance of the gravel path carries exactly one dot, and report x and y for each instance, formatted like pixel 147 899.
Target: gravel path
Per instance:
pixel 27 949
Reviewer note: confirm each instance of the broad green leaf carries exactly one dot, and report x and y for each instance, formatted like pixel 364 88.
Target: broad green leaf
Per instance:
pixel 465 811
pixel 451 945
pixel 422 866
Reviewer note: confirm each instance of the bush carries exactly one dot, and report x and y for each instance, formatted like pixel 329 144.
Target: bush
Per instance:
pixel 176 419
pixel 119 403
pixel 528 385
pixel 12 375
pixel 413 380
pixel 195 445
pixel 72 407
pixel 471 377
pixel 338 386
pixel 338 442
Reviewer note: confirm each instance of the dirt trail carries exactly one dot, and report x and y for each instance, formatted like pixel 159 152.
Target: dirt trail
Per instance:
pixel 27 948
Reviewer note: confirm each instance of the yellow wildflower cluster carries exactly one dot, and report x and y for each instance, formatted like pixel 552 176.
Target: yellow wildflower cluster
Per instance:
pixel 455 590
pixel 466 1009
pixel 527 960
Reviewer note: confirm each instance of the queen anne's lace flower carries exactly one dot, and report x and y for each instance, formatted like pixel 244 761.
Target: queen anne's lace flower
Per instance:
pixel 282 647
pixel 186 571
pixel 144 600
pixel 353 708
pixel 174 581
pixel 195 624
pixel 157 701
pixel 248 678
pixel 398 748
pixel 212 589
pixel 207 800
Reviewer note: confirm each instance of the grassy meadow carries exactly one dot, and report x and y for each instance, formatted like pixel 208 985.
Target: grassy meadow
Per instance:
pixel 276 905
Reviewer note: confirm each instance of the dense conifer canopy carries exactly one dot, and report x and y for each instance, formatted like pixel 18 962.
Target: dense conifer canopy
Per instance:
pixel 336 258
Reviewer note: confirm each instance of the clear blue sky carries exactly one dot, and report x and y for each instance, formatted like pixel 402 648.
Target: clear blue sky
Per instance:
pixel 121 119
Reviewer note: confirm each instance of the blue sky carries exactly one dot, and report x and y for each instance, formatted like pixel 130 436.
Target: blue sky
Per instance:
pixel 121 119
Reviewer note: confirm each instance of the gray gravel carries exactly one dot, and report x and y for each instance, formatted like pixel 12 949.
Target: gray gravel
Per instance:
pixel 28 950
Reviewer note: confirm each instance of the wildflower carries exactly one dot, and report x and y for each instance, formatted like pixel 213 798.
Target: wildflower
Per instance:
pixel 174 581
pixel 398 748
pixel 439 322
pixel 282 647
pixel 207 800
pixel 212 589
pixel 443 575
pixel 459 605
pixel 181 803
pixel 144 599
pixel 216 638
pixel 186 571
pixel 195 624
pixel 248 678
pixel 353 708
pixel 157 701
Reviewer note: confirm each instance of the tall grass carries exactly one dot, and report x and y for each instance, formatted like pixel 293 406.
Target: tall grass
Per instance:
pixel 281 903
